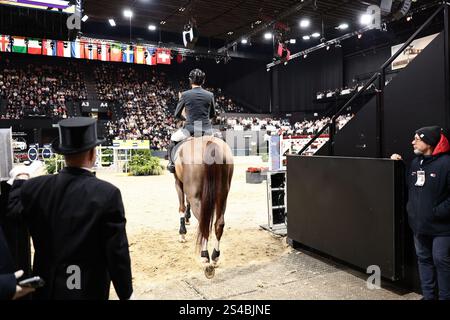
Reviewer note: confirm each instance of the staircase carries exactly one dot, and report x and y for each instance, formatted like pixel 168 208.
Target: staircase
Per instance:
pixel 416 97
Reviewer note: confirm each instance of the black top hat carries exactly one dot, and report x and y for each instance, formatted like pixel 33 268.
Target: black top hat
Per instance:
pixel 76 135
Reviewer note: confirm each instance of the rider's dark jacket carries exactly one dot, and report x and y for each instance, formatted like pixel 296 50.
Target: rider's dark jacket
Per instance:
pixel 200 107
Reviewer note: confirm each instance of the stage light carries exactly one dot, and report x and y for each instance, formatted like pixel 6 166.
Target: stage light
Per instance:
pixel 84 19
pixel 268 36
pixel 365 19
pixel 315 35
pixel 182 9
pixel 338 45
pixel 244 41
pixel 286 63
pixel 328 48
pixel 292 41
pixel 306 37
pixel 152 27
pixel 359 35
pixel 230 33
pixel 305 23
pixel 162 22
pixel 258 22
pixel 305 56
pixel 409 18
pixel 112 22
pixel 342 26
pixel 128 13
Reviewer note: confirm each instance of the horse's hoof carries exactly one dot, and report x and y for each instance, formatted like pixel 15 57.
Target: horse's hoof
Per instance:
pixel 182 238
pixel 210 272
pixel 187 222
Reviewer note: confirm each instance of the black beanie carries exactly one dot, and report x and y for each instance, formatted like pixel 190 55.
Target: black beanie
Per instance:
pixel 430 135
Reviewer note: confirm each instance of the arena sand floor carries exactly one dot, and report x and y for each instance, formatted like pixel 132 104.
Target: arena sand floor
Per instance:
pixel 254 264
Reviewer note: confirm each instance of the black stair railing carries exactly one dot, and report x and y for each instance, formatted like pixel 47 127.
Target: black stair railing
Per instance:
pixel 379 80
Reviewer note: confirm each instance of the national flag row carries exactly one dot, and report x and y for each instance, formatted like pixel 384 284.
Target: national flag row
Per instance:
pixel 95 50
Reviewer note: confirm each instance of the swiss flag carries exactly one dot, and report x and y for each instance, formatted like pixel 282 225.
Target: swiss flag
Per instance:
pixel 163 56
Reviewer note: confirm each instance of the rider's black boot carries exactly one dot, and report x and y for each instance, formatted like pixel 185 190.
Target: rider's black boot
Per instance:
pixel 171 165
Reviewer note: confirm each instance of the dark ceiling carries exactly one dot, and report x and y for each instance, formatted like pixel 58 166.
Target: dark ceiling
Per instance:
pixel 216 18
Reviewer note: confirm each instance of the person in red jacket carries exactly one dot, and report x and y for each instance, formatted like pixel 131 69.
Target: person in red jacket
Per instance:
pixel 428 209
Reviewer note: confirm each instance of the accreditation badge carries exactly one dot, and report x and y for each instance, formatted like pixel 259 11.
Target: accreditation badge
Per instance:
pixel 420 178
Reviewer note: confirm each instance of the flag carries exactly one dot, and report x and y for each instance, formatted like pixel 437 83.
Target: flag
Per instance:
pixel 150 56
pixel 103 50
pixel 116 53
pixel 19 45
pixel 90 51
pixel 63 49
pixel 4 44
pixel 139 55
pixel 180 58
pixel 49 47
pixel 77 49
pixel 34 46
pixel 163 56
pixel 128 55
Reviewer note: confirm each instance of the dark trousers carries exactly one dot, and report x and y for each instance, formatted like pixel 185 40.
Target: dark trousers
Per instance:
pixel 433 254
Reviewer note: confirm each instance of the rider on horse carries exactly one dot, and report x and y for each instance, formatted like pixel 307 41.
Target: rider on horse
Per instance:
pixel 200 108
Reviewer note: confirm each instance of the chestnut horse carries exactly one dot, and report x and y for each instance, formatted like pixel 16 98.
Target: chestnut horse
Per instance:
pixel 203 172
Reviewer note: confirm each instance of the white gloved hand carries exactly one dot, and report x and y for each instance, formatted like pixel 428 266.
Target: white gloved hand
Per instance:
pixel 26 172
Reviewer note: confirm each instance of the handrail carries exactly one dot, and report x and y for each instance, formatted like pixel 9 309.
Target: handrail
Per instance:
pixel 380 73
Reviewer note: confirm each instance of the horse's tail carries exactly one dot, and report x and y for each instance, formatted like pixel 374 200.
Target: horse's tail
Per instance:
pixel 212 180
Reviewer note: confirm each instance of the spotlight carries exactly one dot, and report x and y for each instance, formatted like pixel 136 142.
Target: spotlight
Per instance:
pixel 84 19
pixel 112 22
pixel 315 35
pixel 409 18
pixel 359 35
pixel 268 69
pixel 152 27
pixel 230 33
pixel 244 41
pixel 304 23
pixel 268 36
pixel 128 13
pixel 182 9
pixel 286 63
pixel 292 41
pixel 365 19
pixel 163 22
pixel 258 22
pixel 328 47
pixel 306 37
pixel 342 26
pixel 305 56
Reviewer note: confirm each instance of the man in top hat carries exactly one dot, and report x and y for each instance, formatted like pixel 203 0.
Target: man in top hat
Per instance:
pixel 429 210
pixel 199 106
pixel 76 221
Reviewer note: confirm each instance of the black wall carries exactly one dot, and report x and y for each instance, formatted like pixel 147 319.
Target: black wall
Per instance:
pixel 245 80
pixel 301 79
pixel 332 209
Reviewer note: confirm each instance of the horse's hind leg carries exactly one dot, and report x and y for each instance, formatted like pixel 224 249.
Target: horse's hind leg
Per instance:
pixel 181 210
pixel 218 228
pixel 188 213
